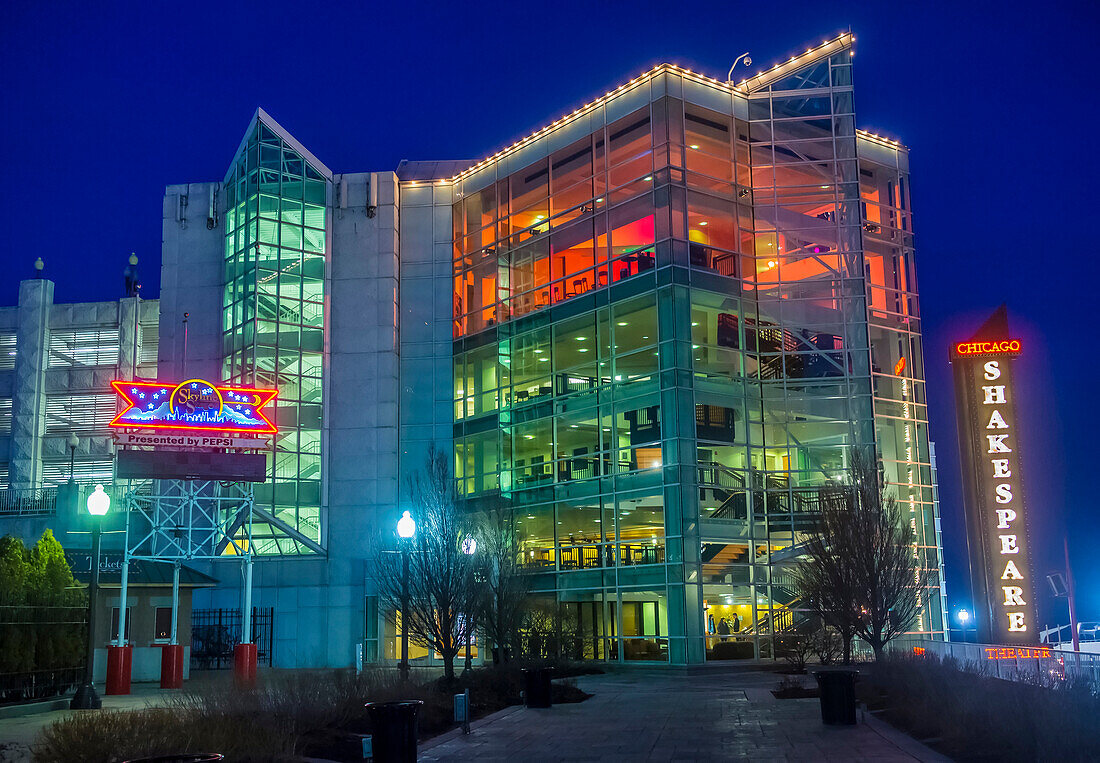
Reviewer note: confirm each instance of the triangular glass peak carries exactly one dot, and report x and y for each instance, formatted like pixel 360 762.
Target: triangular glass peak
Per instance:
pixel 262 128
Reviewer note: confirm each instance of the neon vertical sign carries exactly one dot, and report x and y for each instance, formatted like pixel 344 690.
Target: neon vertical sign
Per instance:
pixel 995 513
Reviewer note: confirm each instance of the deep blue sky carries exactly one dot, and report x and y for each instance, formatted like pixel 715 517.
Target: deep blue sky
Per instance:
pixel 103 104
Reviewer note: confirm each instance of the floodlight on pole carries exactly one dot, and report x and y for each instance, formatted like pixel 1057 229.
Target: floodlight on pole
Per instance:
pixel 743 57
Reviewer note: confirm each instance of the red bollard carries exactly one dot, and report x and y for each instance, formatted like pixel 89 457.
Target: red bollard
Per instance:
pixel 171 666
pixel 244 664
pixel 119 666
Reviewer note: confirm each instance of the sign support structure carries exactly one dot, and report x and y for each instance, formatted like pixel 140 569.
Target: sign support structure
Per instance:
pixel 180 510
pixel 187 520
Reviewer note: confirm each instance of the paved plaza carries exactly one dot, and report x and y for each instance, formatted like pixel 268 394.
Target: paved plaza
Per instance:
pixel 704 714
pixel 19 726
pixel 698 714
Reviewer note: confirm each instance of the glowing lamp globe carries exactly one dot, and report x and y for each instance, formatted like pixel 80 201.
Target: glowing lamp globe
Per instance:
pixel 406 526
pixel 469 546
pixel 98 502
pixel 964 616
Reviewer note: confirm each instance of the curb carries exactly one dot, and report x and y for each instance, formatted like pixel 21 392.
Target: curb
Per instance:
pixel 456 733
pixel 33 708
pixel 902 741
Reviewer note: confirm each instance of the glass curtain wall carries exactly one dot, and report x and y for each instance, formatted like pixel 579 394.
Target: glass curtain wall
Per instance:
pixel 562 331
pixel 273 322
pixel 897 361
pixel 805 353
pixel 661 355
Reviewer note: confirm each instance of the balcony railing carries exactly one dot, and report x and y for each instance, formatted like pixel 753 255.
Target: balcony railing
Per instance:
pixel 33 502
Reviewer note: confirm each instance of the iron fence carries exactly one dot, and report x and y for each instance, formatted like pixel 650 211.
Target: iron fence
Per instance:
pixel 215 632
pixel 42 651
pixel 1026 663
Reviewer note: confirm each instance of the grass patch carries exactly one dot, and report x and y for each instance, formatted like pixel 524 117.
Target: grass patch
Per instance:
pixel 315 714
pixel 968 716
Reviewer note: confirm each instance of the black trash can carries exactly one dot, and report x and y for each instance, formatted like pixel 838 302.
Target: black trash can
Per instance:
pixel 536 686
pixel 394 730
pixel 838 696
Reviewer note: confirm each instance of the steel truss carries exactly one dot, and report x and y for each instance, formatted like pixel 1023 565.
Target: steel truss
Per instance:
pixel 175 520
pixel 178 520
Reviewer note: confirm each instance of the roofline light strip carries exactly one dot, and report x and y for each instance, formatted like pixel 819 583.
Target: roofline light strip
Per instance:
pixel 840 41
pixel 876 138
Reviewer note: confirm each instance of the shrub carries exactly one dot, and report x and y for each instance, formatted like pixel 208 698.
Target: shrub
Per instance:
pixel 39 619
pixel 315 713
pixel 733 650
pixel 111 736
pixel 791 687
pixel 980 717
pixel 826 644
pixel 796 650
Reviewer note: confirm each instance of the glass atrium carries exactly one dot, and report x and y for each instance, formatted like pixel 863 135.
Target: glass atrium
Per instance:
pixel 273 322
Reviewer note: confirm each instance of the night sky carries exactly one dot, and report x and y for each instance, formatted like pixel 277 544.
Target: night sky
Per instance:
pixel 103 104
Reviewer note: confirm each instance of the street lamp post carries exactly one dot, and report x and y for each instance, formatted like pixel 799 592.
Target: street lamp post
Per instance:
pixel 74 441
pixel 86 698
pixel 964 621
pixel 406 529
pixel 469 548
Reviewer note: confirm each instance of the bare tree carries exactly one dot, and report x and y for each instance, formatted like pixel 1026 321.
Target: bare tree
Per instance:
pixel 506 588
pixel 825 643
pixel 863 575
pixel 550 629
pixel 829 589
pixel 443 590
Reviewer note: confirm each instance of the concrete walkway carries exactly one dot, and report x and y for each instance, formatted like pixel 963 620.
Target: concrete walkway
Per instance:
pixel 17 732
pixel 712 713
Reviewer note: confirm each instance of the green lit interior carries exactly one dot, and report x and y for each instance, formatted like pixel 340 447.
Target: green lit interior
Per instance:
pixel 273 323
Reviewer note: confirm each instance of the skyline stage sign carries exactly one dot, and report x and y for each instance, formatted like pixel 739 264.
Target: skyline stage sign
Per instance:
pixel 194 406
pixel 993 498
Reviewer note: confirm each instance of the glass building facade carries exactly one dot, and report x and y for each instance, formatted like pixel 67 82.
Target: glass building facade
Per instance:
pixel 653 330
pixel 676 312
pixel 273 321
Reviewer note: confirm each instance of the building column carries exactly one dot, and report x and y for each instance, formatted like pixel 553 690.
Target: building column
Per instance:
pixel 28 422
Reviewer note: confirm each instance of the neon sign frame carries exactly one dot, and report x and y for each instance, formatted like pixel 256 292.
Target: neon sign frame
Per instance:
pixel 132 393
pixel 1017 652
pixel 996 347
pixel 995 507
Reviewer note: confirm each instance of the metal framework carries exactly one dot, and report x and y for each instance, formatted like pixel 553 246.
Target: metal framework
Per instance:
pixel 188 519
pixel 178 520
